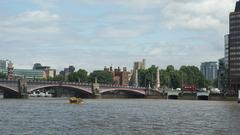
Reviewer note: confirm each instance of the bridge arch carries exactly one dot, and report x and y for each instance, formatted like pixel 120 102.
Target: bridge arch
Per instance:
pixel 9 92
pixel 6 88
pixel 84 90
pixel 139 92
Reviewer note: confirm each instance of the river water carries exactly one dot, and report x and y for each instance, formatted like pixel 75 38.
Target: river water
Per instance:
pixel 119 117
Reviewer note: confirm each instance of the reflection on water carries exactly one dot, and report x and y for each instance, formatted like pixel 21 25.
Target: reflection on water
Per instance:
pixel 119 116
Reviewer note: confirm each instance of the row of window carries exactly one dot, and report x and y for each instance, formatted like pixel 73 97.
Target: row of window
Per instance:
pixel 234 20
pixel 234 15
pixel 234 26
pixel 235 58
pixel 235 47
pixel 235 64
pixel 235 23
pixel 235 31
pixel 237 74
pixel 235 37
pixel 234 53
pixel 235 69
pixel 233 41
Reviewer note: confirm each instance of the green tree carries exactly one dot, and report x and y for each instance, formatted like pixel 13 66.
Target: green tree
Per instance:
pixel 147 76
pixel 3 76
pixel 57 78
pixel 169 77
pixel 104 77
pixel 81 75
pixel 170 68
pixel 192 75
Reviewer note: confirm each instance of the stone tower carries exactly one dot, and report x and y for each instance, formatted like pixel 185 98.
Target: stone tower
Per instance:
pixel 10 71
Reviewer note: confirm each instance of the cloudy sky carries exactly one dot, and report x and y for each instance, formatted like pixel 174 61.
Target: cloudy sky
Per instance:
pixel 90 34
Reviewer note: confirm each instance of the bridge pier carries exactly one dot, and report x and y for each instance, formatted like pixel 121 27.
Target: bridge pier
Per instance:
pixel 11 94
pixel 95 90
pixel 22 88
pixel 22 91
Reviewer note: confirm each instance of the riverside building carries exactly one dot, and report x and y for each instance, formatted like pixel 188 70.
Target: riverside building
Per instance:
pixel 234 49
pixel 209 70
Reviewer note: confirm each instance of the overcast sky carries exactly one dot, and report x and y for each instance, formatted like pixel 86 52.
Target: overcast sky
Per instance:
pixel 90 34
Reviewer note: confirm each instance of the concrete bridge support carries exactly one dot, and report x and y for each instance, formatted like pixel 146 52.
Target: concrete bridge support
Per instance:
pixel 22 91
pixel 96 90
pixel 10 94
pixel 22 88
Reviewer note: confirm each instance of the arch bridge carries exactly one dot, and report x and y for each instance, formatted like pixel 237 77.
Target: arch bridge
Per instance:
pixel 20 88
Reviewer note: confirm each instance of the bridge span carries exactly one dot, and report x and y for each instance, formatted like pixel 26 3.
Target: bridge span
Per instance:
pixel 20 88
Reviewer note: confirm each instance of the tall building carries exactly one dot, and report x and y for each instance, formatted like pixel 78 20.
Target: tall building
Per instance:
pixel 48 72
pixel 3 64
pixel 222 74
pixel 139 65
pixel 66 71
pixel 136 67
pixel 29 74
pixel 209 70
pixel 223 66
pixel 234 49
pixel 37 66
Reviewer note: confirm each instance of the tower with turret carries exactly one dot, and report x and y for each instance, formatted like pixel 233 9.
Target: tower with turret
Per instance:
pixel 10 71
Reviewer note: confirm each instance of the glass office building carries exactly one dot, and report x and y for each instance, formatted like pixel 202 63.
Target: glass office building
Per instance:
pixel 209 70
pixel 3 64
pixel 27 73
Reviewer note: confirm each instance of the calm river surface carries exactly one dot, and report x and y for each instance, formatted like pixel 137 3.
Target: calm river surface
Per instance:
pixel 119 117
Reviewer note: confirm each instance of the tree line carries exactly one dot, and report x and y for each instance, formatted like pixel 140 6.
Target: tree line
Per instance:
pixel 81 75
pixel 172 78
pixel 169 77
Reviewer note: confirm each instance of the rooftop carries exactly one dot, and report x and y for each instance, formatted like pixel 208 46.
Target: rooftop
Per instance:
pixel 237 8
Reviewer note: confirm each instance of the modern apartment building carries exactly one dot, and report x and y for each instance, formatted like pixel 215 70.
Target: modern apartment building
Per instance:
pixel 3 64
pixel 209 70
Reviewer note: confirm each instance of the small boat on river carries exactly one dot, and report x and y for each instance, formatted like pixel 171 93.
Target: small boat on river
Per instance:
pixel 75 100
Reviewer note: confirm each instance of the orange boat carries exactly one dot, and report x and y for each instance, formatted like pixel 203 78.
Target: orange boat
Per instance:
pixel 74 100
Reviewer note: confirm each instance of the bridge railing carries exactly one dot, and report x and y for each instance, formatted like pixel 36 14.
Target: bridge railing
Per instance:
pixel 73 83
pixel 6 80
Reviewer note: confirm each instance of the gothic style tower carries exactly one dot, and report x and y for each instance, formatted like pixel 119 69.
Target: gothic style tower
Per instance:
pixel 10 71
